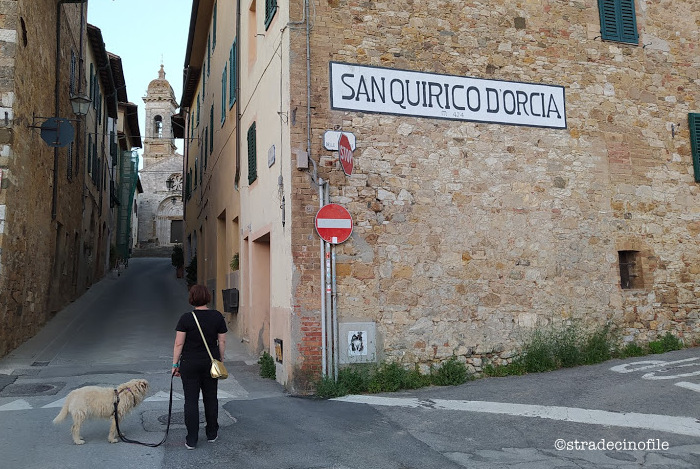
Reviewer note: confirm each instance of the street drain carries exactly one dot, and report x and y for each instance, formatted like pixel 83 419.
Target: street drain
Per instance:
pixel 15 390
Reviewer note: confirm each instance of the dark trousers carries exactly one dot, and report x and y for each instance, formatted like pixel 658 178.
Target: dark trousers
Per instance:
pixel 195 377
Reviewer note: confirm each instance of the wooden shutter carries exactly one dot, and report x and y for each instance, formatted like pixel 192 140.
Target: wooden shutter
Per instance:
pixel 628 21
pixel 252 155
pixel 694 125
pixel 618 21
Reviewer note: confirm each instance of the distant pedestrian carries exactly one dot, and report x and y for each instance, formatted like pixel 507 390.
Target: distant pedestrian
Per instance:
pixel 192 363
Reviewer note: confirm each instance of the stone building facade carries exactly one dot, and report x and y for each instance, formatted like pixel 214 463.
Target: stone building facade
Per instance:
pixel 55 199
pixel 41 186
pixel 160 219
pixel 515 165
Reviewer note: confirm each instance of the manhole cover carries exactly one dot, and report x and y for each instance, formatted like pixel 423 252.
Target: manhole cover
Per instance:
pixel 34 389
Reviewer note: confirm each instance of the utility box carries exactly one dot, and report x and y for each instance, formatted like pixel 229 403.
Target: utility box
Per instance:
pixel 230 298
pixel 357 342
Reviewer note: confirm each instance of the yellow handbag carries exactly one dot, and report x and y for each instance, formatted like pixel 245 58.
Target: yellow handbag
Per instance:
pixel 218 370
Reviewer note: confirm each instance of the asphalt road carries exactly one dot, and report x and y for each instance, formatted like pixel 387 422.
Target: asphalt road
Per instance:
pixel 640 412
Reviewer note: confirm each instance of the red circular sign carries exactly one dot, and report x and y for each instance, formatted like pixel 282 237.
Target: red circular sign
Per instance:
pixel 333 223
pixel 345 154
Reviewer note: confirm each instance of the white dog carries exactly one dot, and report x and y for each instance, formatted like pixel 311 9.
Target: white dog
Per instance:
pixel 96 401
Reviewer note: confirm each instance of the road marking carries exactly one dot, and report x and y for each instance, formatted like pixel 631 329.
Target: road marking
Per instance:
pixel 666 423
pixel 650 364
pixel 691 386
pixel 19 404
pixel 58 403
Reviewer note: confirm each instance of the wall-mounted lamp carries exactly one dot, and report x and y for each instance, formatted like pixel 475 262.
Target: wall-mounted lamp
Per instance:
pixel 169 184
pixel 81 104
pixel 58 131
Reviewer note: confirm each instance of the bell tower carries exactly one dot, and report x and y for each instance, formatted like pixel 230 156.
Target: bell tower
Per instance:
pixel 161 105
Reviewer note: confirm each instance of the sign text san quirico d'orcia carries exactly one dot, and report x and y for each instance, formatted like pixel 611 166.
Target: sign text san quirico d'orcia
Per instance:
pixel 402 92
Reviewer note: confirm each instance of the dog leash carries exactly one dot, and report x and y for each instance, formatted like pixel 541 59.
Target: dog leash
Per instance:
pixel 167 428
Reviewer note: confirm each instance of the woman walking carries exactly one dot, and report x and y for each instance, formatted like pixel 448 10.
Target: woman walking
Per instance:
pixel 192 363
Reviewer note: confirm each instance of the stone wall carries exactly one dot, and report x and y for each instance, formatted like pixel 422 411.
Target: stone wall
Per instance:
pixel 38 240
pixel 468 235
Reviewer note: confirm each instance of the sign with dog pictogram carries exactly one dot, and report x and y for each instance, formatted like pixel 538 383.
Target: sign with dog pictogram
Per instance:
pixel 333 223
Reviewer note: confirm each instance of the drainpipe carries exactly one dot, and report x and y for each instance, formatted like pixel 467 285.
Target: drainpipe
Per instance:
pixel 237 177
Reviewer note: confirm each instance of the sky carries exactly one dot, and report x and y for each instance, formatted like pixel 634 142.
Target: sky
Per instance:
pixel 145 33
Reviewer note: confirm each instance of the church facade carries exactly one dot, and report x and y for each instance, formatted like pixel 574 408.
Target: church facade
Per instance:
pixel 160 204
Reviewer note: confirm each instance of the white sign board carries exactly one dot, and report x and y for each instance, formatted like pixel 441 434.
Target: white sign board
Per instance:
pixel 419 94
pixel 331 138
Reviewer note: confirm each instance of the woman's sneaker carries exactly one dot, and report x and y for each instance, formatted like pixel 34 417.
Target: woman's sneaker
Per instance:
pixel 212 440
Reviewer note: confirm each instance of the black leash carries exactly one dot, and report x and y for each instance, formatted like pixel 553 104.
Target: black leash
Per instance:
pixel 167 428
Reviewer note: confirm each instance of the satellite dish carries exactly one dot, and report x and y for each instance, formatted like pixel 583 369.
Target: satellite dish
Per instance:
pixel 57 132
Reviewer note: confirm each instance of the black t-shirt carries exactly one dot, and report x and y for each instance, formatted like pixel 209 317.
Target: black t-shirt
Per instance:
pixel 212 323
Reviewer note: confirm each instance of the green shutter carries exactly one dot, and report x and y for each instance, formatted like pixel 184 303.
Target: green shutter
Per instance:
pixel 211 127
pixel 233 55
pixel 694 125
pixel 270 9
pixel 252 155
pixel 618 21
pixel 628 22
pixel 224 84
pixel 214 26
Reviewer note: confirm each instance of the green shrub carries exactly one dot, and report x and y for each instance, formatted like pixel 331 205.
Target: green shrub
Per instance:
pixel 451 372
pixel 598 346
pixel 327 388
pixel 666 343
pixel 538 353
pixel 267 366
pixel 389 377
pixel 632 350
pixel 515 368
pixel 355 378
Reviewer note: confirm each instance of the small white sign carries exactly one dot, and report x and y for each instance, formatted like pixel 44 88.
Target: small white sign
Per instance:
pixel 331 138
pixel 271 156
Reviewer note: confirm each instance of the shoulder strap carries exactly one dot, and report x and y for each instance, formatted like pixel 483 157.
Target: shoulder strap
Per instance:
pixel 203 339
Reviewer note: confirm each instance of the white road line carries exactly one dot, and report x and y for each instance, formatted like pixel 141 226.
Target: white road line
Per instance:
pixel 691 386
pixel 666 423
pixel 19 404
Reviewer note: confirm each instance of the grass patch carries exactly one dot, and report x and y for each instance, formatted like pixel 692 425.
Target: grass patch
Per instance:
pixel 267 366
pixel 632 350
pixel 389 377
pixel 550 349
pixel 665 344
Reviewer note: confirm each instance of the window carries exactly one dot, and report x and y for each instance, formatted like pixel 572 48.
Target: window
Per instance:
pixel 197 111
pixel 252 156
pixel 224 85
pixel 158 127
pixel 73 70
pixel 208 54
pixel 214 27
pixel 206 150
pixel 270 9
pixel 204 81
pixel 211 126
pixel 69 161
pixel 694 126
pixel 618 21
pixel 630 270
pixel 232 58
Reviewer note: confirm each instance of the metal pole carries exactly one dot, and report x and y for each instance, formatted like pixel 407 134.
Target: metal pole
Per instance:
pixel 336 343
pixel 324 365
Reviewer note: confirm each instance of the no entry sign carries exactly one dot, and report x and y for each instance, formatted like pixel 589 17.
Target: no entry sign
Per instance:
pixel 333 223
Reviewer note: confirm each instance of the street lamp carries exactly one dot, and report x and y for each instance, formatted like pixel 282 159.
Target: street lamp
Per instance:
pixel 81 104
